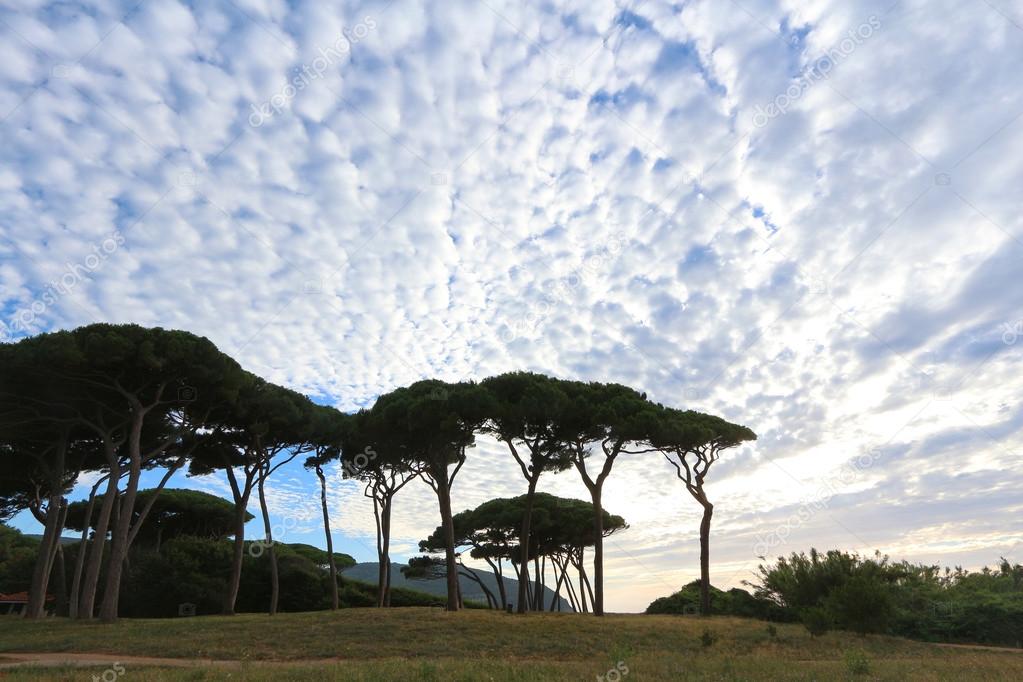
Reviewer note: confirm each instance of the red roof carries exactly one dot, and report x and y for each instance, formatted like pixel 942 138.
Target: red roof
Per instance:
pixel 18 598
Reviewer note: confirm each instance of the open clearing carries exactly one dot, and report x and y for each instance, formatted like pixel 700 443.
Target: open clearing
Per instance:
pixel 431 644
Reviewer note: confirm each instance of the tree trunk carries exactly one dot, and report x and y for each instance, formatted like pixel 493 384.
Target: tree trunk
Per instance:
pixel 538 584
pixel 598 553
pixel 499 579
pixel 444 499
pixel 708 512
pixel 235 581
pixel 83 545
pixel 119 540
pixel 527 522
pixel 334 602
pixel 556 599
pixel 62 603
pixel 36 607
pixel 385 556
pixel 99 540
pixel 275 582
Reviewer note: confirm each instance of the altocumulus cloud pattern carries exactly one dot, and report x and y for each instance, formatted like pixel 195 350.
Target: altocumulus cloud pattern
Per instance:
pixel 804 216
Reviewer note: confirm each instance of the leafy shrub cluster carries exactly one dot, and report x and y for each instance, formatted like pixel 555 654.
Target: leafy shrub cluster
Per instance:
pixel 734 602
pixel 194 570
pixel 873 595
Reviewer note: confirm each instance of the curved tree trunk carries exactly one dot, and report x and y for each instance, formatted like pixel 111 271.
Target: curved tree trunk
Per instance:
pixel 83 545
pixel 499 579
pixel 119 539
pixel 708 512
pixel 275 583
pixel 238 554
pixel 527 520
pixel 444 498
pixel 334 601
pixel 36 607
pixel 90 583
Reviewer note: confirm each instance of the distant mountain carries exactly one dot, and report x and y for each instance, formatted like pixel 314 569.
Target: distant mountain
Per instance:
pixel 367 572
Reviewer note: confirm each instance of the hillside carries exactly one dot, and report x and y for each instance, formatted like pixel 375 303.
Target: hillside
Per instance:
pixel 367 572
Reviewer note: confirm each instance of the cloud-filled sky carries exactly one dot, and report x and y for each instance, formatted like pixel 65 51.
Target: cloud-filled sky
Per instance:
pixel 802 216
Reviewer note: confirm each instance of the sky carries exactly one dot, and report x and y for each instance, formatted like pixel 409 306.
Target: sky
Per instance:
pixel 801 216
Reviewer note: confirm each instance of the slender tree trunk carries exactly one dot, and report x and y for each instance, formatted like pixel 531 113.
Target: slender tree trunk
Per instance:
pixel 62 603
pixel 334 601
pixel 235 580
pixel 527 521
pixel 556 599
pixel 573 599
pixel 708 512
pixel 275 584
pixel 385 561
pixel 471 575
pixel 238 554
pixel 444 499
pixel 36 607
pixel 540 564
pixel 99 540
pixel 499 579
pixel 598 552
pixel 83 545
pixel 119 541
pixel 241 503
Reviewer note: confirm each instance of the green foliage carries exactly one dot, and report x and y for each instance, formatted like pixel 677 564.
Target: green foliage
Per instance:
pixel 918 601
pixel 319 556
pixel 861 604
pixel 175 512
pixel 17 558
pixel 816 619
pixel 734 602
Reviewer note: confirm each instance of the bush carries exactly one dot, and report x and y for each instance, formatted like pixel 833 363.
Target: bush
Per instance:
pixel 734 602
pixel 708 638
pixel 816 619
pixel 861 605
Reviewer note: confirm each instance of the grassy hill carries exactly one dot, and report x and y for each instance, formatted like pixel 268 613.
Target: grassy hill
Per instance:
pixel 367 573
pixel 418 643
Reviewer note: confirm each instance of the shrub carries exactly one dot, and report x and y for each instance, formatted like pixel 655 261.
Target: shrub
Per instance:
pixel 861 605
pixel 708 638
pixel 816 619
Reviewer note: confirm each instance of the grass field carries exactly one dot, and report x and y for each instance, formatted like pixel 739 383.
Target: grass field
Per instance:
pixel 430 644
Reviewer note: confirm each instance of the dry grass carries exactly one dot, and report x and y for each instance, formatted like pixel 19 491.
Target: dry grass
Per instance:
pixel 424 644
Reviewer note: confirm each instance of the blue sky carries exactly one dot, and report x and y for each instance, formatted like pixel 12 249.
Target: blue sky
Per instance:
pixel 801 216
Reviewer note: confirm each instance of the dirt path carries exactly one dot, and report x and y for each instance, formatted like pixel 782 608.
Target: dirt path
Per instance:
pixel 64 659
pixel 981 647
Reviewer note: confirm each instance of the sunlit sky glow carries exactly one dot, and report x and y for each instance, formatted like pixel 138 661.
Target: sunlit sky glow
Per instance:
pixel 682 197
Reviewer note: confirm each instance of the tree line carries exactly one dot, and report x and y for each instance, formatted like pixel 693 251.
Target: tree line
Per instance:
pixel 118 400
